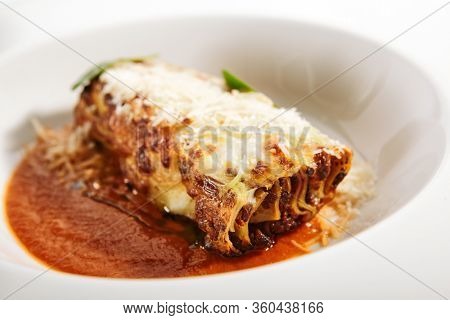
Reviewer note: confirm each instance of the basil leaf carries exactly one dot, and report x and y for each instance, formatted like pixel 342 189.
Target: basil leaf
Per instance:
pixel 91 74
pixel 97 70
pixel 234 82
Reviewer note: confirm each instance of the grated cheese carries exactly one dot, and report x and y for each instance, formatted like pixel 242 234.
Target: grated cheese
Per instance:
pixel 238 124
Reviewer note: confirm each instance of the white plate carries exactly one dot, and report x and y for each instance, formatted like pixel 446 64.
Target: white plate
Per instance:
pixel 385 107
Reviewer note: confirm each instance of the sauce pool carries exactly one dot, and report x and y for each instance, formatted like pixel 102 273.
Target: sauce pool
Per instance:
pixel 71 232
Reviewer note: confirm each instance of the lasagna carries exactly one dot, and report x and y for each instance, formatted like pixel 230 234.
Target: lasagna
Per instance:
pixel 224 156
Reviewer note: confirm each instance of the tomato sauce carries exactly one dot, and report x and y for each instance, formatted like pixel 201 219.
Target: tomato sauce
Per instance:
pixel 72 232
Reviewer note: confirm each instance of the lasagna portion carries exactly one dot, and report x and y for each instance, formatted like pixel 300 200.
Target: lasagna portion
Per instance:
pixel 242 168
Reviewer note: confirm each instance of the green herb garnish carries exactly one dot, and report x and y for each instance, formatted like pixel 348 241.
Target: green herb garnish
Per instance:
pixel 100 68
pixel 234 82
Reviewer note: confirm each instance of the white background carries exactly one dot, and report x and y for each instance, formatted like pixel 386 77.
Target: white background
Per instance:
pixel 111 310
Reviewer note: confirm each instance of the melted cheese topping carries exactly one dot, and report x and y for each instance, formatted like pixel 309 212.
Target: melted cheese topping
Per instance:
pixel 232 129
pixel 186 93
